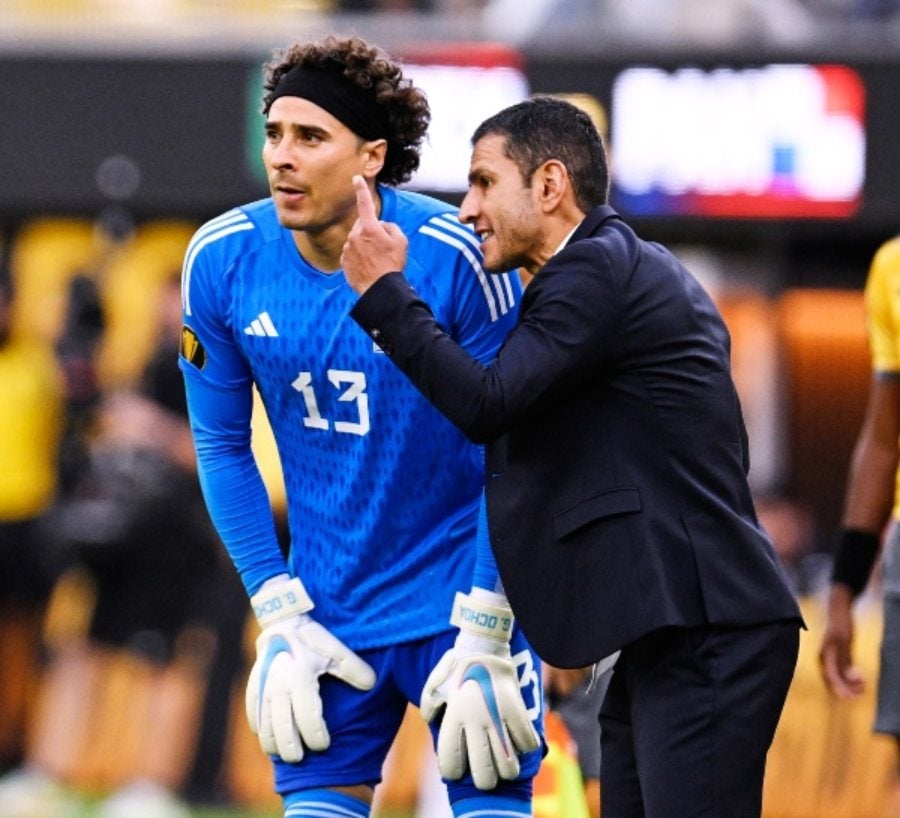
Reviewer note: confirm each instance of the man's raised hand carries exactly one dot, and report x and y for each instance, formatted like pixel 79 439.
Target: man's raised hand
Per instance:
pixel 373 248
pixel 365 206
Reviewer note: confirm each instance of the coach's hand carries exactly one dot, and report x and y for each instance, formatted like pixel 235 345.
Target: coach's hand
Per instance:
pixel 284 708
pixel 373 248
pixel 474 690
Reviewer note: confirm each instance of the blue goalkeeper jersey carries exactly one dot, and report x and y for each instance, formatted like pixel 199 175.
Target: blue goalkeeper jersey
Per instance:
pixel 382 492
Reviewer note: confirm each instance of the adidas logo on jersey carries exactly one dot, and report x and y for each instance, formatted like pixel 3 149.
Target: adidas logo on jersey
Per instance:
pixel 262 327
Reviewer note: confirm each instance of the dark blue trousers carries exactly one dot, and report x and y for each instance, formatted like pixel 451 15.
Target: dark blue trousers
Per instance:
pixel 689 717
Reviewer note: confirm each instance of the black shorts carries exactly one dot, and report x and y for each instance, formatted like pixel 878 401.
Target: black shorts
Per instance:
pixel 28 568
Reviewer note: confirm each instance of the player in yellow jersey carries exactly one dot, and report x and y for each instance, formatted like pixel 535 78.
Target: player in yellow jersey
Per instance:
pixel 872 507
pixel 31 420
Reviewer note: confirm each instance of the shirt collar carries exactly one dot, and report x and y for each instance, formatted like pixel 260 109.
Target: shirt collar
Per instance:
pixel 565 241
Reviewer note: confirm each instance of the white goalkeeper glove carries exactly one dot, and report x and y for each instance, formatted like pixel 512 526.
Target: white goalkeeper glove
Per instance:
pixel 475 691
pixel 283 704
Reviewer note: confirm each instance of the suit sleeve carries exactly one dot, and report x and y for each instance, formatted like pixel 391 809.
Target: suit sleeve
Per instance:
pixel 567 330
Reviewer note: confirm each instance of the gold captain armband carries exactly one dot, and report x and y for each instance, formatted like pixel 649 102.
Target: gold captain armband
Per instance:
pixel 480 617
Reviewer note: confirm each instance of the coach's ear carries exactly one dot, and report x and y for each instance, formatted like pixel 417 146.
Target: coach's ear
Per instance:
pixel 551 184
pixel 373 154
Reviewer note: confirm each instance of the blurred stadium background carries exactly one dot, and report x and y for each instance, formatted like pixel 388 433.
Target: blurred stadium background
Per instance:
pixel 758 138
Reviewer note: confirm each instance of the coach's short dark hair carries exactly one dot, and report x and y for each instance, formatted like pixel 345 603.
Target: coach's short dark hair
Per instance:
pixel 367 66
pixel 544 128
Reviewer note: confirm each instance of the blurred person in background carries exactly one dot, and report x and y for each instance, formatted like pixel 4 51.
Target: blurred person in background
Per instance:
pixel 133 519
pixel 31 417
pixel 372 609
pixel 576 697
pixel 792 529
pixel 872 509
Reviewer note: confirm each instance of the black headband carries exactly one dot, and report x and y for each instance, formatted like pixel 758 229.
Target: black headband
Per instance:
pixel 355 107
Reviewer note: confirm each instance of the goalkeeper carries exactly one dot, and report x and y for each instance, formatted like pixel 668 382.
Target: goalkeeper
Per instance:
pixel 381 600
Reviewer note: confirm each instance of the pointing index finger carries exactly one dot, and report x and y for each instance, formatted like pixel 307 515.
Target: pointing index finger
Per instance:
pixel 364 204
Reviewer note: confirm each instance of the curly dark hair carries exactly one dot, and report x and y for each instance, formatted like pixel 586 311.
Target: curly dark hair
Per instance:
pixel 366 66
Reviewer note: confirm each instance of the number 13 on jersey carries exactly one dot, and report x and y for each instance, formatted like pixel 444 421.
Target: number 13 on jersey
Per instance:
pixel 352 389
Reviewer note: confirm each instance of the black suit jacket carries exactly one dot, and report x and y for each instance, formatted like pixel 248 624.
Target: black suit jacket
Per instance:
pixel 616 454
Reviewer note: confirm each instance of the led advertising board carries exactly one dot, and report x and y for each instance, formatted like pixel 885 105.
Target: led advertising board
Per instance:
pixel 776 141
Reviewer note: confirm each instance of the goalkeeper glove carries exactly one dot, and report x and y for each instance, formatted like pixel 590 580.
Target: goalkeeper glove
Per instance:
pixel 475 691
pixel 284 708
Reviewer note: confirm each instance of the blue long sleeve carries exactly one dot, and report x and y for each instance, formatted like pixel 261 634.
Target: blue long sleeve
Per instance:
pixel 227 470
pixel 485 574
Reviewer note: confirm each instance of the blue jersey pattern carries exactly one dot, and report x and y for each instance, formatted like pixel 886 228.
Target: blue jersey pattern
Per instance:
pixel 382 492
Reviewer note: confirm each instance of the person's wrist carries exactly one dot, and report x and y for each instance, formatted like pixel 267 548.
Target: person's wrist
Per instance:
pixel 470 644
pixel 483 595
pixel 484 620
pixel 280 599
pixel 854 558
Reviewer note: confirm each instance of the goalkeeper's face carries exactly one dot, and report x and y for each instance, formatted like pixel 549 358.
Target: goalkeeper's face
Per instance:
pixel 310 159
pixel 503 209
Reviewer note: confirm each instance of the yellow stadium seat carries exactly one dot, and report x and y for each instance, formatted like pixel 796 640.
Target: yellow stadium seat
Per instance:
pixel 45 255
pixel 130 288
